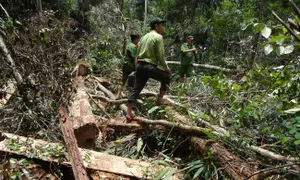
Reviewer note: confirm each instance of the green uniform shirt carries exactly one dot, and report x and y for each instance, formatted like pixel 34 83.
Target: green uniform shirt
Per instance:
pixel 151 50
pixel 131 53
pixel 186 59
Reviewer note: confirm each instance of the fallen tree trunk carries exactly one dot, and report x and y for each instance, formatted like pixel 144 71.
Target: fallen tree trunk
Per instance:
pixel 111 101
pixel 83 120
pixel 54 153
pixel 233 166
pixel 71 143
pixel 120 125
pixel 205 66
pixel 185 129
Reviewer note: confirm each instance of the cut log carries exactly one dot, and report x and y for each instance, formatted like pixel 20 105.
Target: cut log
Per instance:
pixel 206 66
pixel 120 125
pixel 43 150
pixel 81 69
pixel 115 102
pixel 83 120
pixel 185 129
pixel 7 91
pixel 233 166
pixel 72 147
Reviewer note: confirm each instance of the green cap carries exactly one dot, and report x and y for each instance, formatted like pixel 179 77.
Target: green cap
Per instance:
pixel 156 21
pixel 190 38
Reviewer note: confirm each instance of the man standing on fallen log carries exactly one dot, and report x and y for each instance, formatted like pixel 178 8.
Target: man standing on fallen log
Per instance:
pixel 130 62
pixel 187 53
pixel 151 64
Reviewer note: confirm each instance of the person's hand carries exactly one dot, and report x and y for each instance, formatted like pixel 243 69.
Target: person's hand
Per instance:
pixel 194 50
pixel 169 71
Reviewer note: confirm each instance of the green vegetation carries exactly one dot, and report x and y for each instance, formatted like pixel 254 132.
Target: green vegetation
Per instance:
pixel 258 103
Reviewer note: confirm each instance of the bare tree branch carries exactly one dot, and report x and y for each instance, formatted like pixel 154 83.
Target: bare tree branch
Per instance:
pixel 286 26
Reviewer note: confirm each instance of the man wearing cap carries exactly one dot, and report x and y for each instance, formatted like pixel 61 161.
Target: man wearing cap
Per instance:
pixel 130 61
pixel 151 64
pixel 187 54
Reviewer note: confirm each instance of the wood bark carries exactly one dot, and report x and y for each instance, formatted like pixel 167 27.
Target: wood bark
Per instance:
pixel 206 66
pixel 120 125
pixel 233 166
pixel 83 120
pixel 92 160
pixel 71 144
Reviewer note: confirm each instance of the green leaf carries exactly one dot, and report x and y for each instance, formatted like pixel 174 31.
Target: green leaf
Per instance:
pixel 161 174
pixel 195 167
pixel 139 145
pixel 297 142
pixel 153 109
pixel 258 27
pixel 278 39
pixel 161 162
pixel 236 87
pixel 195 162
pixel 268 49
pixel 293 110
pixel 266 32
pixel 170 173
pixel 293 131
pixel 198 172
pixel 288 49
pixel 297 136
pixel 280 50
pixel 210 135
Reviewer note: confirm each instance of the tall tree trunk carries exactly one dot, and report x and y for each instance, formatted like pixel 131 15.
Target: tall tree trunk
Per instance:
pixel 83 6
pixel 121 5
pixel 145 13
pixel 255 41
pixel 39 6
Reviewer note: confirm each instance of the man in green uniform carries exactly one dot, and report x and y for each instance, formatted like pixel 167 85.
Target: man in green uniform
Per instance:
pixel 151 64
pixel 130 61
pixel 187 54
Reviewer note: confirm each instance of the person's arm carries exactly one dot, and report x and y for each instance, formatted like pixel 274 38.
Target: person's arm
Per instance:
pixel 135 63
pixel 185 51
pixel 134 56
pixel 189 50
pixel 160 55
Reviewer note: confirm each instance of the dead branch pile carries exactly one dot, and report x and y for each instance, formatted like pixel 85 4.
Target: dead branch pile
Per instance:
pixel 44 50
